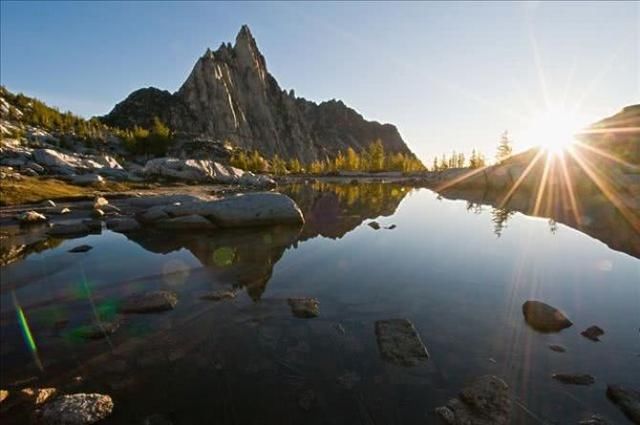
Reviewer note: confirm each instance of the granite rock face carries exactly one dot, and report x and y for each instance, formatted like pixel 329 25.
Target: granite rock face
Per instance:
pixel 231 96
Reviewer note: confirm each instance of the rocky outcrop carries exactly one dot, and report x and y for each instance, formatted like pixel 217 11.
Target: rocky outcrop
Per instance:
pixel 230 95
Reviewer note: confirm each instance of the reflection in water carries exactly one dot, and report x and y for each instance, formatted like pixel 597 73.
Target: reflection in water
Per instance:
pixel 248 360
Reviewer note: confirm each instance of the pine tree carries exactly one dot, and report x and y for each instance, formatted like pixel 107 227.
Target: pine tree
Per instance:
pixel 504 147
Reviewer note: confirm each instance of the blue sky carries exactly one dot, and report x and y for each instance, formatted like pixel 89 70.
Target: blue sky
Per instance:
pixel 448 75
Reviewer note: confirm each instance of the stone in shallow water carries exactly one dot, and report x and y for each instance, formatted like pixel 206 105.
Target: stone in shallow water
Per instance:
pixel 38 396
pixel 574 379
pixel 544 317
pixel 374 225
pixel 76 409
pixel 96 330
pixel 557 348
pixel 594 420
pixel 485 401
pixel 627 399
pixel 150 302
pixel 593 333
pixel 221 294
pixel 81 248
pixel 31 217
pixel 400 343
pixel 304 307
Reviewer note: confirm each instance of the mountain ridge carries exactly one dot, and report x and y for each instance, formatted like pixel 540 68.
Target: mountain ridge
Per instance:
pixel 230 95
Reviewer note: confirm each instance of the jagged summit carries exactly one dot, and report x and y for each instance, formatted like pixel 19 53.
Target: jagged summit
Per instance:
pixel 230 95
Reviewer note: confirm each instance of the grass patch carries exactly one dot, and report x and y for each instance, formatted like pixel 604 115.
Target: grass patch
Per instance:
pixel 33 190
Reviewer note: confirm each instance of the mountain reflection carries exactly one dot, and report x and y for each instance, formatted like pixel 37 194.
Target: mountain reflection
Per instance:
pixel 246 257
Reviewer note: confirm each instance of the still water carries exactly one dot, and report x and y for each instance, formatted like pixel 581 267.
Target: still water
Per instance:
pixel 459 272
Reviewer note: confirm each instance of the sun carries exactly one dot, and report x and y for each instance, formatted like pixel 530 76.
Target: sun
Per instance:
pixel 553 130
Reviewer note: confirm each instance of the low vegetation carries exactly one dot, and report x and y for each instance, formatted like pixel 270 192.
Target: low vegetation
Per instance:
pixel 28 190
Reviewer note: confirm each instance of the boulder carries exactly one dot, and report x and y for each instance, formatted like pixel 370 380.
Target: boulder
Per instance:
pixel 76 409
pixel 186 222
pixel 304 307
pixel 399 342
pixel 259 181
pixel 122 224
pixel 153 214
pixel 574 379
pixel 544 317
pixel 250 209
pixel 100 202
pixel 31 217
pixel 150 302
pixel 627 399
pixel 200 170
pixel 374 225
pixel 485 401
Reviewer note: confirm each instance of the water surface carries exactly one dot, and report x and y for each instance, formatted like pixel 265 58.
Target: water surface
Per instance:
pixel 459 272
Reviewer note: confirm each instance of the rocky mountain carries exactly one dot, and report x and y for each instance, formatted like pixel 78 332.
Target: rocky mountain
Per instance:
pixel 231 96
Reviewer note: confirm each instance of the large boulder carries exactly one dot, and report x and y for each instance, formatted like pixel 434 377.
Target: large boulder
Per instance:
pixel 544 317
pixel 57 162
pixel 76 409
pixel 249 209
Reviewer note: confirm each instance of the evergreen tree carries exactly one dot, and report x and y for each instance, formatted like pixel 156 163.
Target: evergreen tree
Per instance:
pixel 504 147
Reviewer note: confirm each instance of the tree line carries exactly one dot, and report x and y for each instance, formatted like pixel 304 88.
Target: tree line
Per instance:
pixel 372 159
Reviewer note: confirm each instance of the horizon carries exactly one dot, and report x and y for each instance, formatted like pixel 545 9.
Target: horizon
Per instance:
pixel 587 74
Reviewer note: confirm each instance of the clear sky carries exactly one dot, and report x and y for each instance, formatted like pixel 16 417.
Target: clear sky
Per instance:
pixel 448 75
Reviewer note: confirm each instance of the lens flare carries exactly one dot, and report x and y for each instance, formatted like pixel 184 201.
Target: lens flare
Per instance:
pixel 26 331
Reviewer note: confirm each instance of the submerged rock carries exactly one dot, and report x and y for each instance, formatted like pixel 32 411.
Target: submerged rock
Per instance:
pixel 150 302
pixel 81 248
pixel 557 348
pixel 593 333
pixel 31 217
pixel 574 379
pixel 304 307
pixel 186 222
pixel 627 399
pixel 544 317
pixel 96 330
pixel 594 420
pixel 374 225
pixel 485 401
pixel 400 343
pixel 221 294
pixel 76 409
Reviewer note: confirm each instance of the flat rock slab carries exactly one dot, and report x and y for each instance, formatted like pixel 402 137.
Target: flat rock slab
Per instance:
pixel 485 401
pixel 574 379
pixel 76 409
pixel 544 317
pixel 304 307
pixel 627 399
pixel 593 333
pixel 186 222
pixel 81 248
pixel 150 302
pixel 222 294
pixel 400 343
